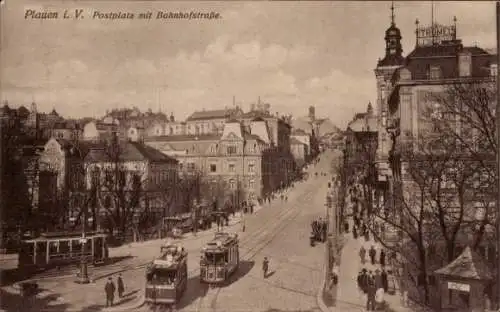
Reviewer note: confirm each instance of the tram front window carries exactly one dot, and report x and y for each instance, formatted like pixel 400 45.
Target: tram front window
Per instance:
pixel 216 257
pixel 162 277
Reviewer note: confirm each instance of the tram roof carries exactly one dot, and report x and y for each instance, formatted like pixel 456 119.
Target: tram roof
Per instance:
pixel 222 240
pixel 171 256
pixel 63 236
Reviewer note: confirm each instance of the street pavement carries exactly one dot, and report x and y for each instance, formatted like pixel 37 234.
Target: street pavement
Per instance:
pixel 61 293
pixel 281 233
pixel 279 230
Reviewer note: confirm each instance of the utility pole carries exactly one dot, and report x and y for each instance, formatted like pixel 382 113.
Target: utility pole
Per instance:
pixel 498 154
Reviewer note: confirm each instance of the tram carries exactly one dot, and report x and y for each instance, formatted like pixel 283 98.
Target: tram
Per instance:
pixel 219 258
pixel 166 277
pixel 54 249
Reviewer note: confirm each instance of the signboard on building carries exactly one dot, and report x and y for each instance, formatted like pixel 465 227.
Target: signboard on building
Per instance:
pixel 459 286
pixel 435 34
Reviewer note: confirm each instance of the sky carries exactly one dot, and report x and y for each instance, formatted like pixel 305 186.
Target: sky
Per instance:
pixel 291 54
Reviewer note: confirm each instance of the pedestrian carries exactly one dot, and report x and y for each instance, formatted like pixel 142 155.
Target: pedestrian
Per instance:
pixel 367 235
pixel 378 279
pixel 355 232
pixel 251 208
pixel 385 280
pixel 265 267
pixel 372 253
pixel 121 286
pixel 362 254
pixel 324 227
pixel 361 281
pixel 371 291
pixel 109 288
pixel 346 227
pixel 382 258
pixel 286 198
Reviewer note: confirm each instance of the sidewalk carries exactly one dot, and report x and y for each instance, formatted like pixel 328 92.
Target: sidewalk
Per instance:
pixel 349 297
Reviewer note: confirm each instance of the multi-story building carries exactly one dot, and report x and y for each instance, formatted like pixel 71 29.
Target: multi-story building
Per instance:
pixel 101 130
pixel 408 89
pixel 299 151
pixel 210 121
pixel 242 157
pixel 67 169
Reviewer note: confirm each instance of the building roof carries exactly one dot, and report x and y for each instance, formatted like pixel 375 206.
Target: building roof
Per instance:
pixel 294 141
pixel 298 132
pixel 130 151
pixel 214 114
pixel 183 138
pixel 468 265
pixel 257 114
pixel 365 124
pixel 445 56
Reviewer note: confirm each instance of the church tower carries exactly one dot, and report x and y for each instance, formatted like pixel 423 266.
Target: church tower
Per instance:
pixel 393 59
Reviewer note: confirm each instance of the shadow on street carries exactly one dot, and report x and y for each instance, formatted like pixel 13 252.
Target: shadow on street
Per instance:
pixel 127 297
pixel 194 290
pixel 244 268
pixel 15 302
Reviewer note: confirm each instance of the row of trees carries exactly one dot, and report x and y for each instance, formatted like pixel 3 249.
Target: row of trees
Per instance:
pixel 444 190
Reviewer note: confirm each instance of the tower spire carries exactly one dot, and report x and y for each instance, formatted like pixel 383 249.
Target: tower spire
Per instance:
pixel 392 14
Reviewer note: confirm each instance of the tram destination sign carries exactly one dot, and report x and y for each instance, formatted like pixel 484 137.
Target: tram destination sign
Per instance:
pixel 435 34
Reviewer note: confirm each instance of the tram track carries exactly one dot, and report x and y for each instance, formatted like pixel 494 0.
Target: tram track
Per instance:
pixel 267 238
pixel 255 241
pixel 281 216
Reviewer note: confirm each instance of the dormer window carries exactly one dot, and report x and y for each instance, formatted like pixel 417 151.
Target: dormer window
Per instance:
pixel 434 72
pixel 493 70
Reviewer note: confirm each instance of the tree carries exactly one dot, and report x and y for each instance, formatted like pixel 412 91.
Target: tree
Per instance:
pixel 465 112
pixel 119 188
pixel 405 223
pixel 15 195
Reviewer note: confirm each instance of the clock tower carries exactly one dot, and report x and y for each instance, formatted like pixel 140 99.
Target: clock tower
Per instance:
pixel 393 47
pixel 393 60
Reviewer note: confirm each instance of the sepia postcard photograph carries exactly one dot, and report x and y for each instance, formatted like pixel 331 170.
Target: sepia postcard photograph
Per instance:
pixel 249 156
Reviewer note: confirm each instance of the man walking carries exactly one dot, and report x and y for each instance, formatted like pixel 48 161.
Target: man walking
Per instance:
pixel 121 286
pixel 110 292
pixel 382 258
pixel 372 254
pixel 371 291
pixel 362 254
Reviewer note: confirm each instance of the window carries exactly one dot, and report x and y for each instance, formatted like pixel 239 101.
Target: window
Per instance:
pixel 231 167
pixel 434 72
pixel 251 184
pixel 171 130
pixel 213 168
pixel 232 184
pixel 231 150
pixel 251 167
pixel 181 166
pixel 493 69
pixel 190 166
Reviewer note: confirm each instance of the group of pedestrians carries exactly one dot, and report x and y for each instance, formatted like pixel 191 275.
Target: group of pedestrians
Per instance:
pixel 374 280
pixel 110 289
pixel 372 253
pixel 374 286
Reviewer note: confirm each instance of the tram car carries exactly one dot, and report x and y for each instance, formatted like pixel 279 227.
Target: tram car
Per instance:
pixel 219 258
pixel 166 277
pixel 55 249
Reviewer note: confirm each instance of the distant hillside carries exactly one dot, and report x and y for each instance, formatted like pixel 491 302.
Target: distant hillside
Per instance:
pixel 303 123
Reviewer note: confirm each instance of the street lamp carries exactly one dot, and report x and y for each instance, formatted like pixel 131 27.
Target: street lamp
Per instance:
pixel 83 277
